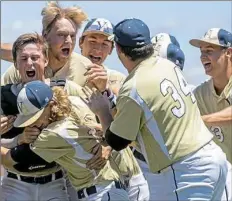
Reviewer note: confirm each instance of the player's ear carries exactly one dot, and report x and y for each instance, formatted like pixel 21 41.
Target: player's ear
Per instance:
pixel 46 61
pixel 15 65
pixel 229 52
pixel 44 34
pixel 81 41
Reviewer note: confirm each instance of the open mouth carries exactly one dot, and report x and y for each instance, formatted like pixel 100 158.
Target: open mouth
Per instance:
pixel 65 51
pixel 94 59
pixel 207 65
pixel 30 73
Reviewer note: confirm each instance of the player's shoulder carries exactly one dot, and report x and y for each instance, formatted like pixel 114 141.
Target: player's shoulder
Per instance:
pixel 10 76
pixel 157 61
pixel 192 87
pixel 79 59
pixel 127 86
pixel 165 67
pixel 113 72
pixel 154 66
pixel 11 69
pixel 56 133
pixel 203 87
pixel 58 127
pixel 162 61
pixel 73 89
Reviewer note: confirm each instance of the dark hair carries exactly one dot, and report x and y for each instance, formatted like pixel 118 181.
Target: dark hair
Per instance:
pixel 136 53
pixel 26 39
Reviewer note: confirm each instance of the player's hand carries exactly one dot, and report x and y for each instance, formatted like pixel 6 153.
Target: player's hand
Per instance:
pixel 98 103
pixel 6 123
pixel 97 76
pixel 29 135
pixel 101 155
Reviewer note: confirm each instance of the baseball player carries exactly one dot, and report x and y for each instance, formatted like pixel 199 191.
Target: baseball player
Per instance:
pixel 30 69
pixel 214 96
pixel 167 47
pixel 63 62
pixel 30 57
pixel 64 141
pixel 155 100
pixel 94 45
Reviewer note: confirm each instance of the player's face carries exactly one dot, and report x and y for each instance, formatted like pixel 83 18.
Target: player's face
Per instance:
pixel 96 47
pixel 31 62
pixel 62 39
pixel 43 120
pixel 214 60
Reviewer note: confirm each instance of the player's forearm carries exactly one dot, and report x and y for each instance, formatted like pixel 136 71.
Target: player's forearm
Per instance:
pixel 9 143
pixel 6 159
pixel 6 52
pixel 223 117
pixel 105 119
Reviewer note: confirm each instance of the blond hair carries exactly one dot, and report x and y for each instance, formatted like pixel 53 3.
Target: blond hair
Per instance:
pixel 54 11
pixel 61 106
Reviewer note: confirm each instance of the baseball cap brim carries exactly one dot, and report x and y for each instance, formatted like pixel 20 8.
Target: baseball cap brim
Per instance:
pixel 27 120
pixel 95 32
pixel 200 42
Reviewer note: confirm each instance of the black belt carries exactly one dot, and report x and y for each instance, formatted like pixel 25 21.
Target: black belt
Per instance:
pixel 92 189
pixel 36 180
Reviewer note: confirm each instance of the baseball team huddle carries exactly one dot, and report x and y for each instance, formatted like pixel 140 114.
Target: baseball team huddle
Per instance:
pixel 73 129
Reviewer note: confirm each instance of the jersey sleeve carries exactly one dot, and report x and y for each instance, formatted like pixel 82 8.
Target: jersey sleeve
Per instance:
pixel 126 122
pixel 50 146
pixel 73 89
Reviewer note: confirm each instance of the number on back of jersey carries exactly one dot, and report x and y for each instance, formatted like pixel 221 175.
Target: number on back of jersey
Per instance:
pixel 167 84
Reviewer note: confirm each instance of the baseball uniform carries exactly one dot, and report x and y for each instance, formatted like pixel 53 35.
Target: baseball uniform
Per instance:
pixel 115 78
pixel 157 101
pixel 9 185
pixel 167 47
pixel 124 162
pixel 205 94
pixel 71 148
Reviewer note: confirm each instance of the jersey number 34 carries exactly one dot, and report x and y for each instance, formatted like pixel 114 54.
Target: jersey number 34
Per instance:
pixel 165 87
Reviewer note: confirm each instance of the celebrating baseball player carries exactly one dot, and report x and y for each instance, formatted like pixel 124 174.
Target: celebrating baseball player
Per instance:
pixel 154 108
pixel 214 97
pixel 60 27
pixel 62 140
pixel 96 46
pixel 30 54
pixel 167 47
